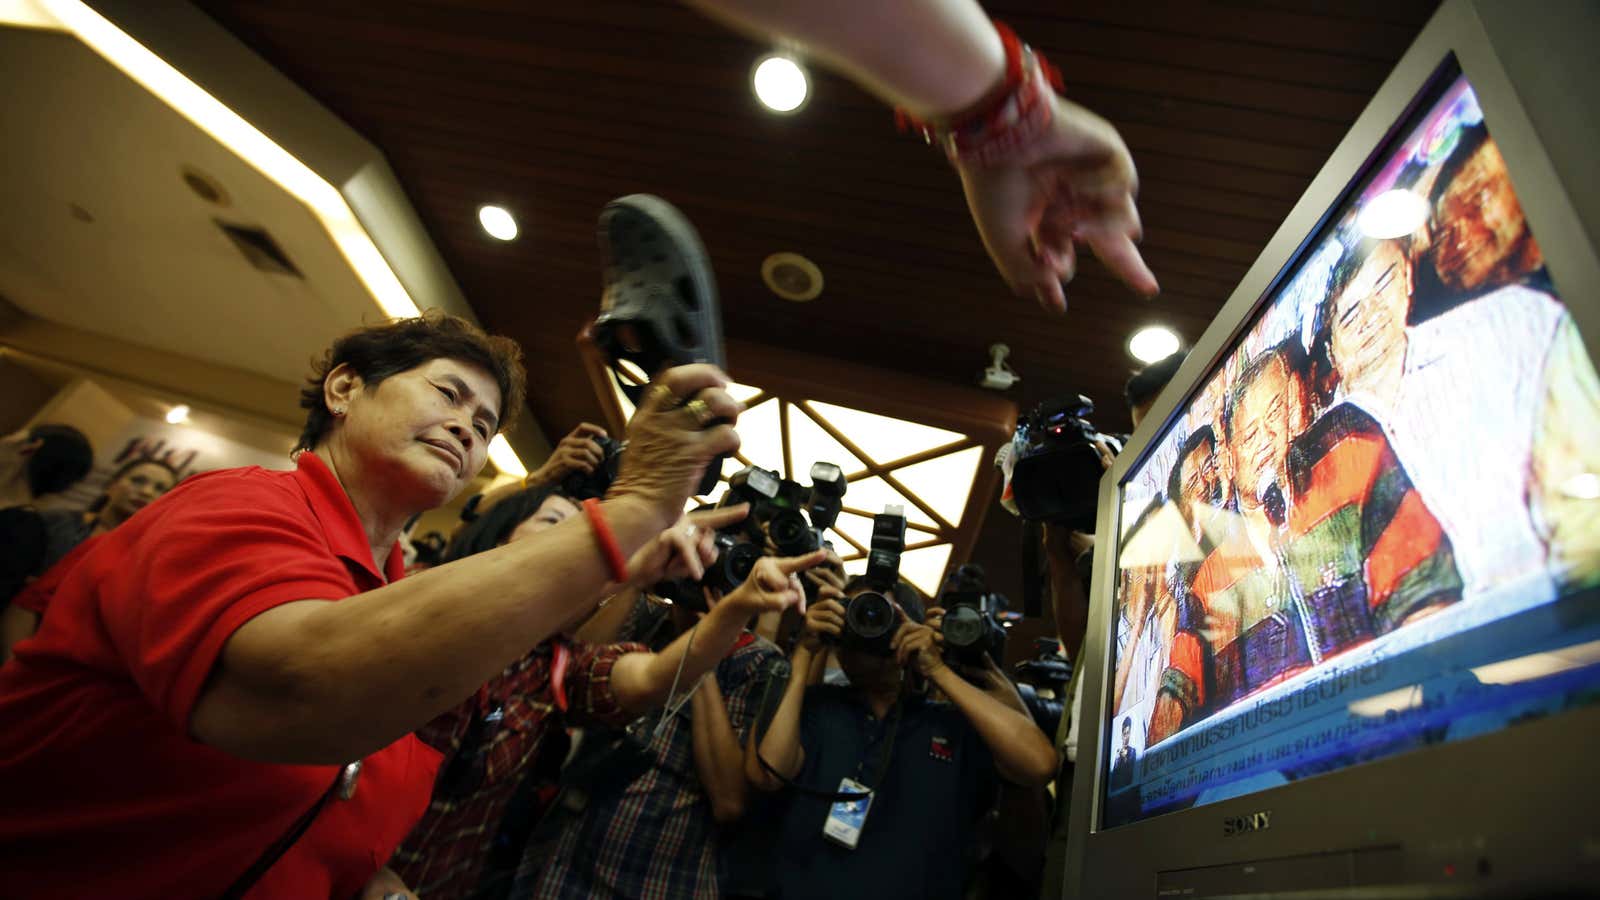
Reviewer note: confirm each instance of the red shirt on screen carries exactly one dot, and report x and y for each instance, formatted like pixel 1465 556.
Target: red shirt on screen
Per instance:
pixel 105 792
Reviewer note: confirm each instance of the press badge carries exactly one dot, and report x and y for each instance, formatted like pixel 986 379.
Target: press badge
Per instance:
pixel 847 817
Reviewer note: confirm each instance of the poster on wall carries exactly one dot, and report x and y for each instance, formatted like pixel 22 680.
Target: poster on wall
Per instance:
pixel 119 434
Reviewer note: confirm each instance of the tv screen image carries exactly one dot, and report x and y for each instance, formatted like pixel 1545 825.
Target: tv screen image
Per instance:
pixel 1375 525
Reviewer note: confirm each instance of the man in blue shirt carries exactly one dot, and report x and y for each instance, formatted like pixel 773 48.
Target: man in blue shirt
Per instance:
pixel 931 767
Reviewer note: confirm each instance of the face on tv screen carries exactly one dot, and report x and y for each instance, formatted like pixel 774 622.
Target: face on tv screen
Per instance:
pixel 1376 524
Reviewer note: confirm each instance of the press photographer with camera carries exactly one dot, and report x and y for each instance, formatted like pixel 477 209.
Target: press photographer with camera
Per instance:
pixel 643 816
pixel 586 455
pixel 470 841
pixel 886 787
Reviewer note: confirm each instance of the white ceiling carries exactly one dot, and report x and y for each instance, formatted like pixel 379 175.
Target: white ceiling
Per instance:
pixel 152 268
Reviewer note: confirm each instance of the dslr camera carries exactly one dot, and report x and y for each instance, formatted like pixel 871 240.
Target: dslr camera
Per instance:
pixel 972 626
pixel 870 618
pixel 1042 683
pixel 581 486
pixel 1055 474
pixel 793 515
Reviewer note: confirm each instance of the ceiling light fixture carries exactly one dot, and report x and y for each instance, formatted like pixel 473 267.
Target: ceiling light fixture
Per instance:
pixel 246 141
pixel 780 84
pixel 178 414
pixel 498 222
pixel 1153 344
pixel 1583 486
pixel 1392 214
pixel 505 459
pixel 236 133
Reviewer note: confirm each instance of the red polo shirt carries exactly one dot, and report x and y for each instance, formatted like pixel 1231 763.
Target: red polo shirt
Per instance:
pixel 104 792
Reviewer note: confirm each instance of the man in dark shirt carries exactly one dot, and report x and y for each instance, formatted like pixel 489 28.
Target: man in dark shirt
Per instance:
pixel 931 767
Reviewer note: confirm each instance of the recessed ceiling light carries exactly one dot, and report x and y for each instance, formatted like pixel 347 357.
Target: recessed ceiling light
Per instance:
pixel 792 277
pixel 505 459
pixel 780 84
pixel 1152 344
pixel 498 222
pixel 178 414
pixel 1392 214
pixel 1583 486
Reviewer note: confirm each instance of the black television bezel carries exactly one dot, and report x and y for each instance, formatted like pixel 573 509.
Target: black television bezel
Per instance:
pixel 1434 822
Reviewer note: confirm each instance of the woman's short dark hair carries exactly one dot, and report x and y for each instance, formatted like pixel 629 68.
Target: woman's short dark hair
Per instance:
pixel 399 345
pixel 493 528
pixel 64 456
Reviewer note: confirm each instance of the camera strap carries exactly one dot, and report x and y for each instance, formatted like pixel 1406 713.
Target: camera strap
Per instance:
pixel 847 796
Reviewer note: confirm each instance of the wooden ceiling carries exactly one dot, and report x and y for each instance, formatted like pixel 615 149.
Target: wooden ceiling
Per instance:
pixel 551 109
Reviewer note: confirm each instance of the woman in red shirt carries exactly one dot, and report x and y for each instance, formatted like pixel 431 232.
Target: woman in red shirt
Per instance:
pixel 240 664
pixel 132 487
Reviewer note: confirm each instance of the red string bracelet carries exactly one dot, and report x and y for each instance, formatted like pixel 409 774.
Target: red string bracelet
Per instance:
pixel 1006 119
pixel 615 561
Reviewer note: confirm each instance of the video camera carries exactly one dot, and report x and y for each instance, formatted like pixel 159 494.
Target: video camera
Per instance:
pixel 870 618
pixel 1042 683
pixel 1055 468
pixel 972 625
pixel 581 486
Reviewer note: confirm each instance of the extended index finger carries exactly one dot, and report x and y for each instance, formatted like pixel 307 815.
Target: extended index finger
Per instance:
pixel 720 517
pixel 791 564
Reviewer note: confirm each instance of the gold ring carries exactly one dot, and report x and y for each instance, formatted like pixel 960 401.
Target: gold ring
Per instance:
pixel 667 398
pixel 701 411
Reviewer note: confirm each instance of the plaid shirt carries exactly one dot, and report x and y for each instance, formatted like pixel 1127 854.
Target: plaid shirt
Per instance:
pixel 487 757
pixel 655 838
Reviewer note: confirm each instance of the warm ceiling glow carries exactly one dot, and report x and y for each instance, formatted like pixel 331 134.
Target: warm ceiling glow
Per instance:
pixel 498 222
pixel 780 84
pixel 883 438
pixel 178 414
pixel 1153 344
pixel 1584 486
pixel 505 459
pixel 232 131
pixel 943 483
pixel 1392 214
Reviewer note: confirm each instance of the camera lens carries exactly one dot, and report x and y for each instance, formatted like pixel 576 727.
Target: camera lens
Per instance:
pixel 791 534
pixel 741 559
pixel 870 616
pixel 963 627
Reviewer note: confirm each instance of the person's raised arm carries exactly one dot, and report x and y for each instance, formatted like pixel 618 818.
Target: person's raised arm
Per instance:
pixel 718 760
pixel 323 682
pixel 780 746
pixel 1055 176
pixel 935 57
pixel 1022 753
pixel 641 681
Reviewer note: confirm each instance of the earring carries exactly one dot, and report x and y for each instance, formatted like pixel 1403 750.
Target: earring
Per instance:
pixel 338 411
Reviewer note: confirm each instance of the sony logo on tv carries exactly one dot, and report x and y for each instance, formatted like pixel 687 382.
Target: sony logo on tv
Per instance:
pixel 1236 825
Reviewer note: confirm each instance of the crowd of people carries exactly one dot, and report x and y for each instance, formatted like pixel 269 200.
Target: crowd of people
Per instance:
pixel 233 684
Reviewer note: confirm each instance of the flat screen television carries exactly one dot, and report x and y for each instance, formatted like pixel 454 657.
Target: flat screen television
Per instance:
pixel 1345 631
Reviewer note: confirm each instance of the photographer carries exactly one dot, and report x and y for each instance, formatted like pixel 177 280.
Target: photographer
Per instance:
pixel 930 767
pixel 471 839
pixel 647 824
pixel 1070 556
